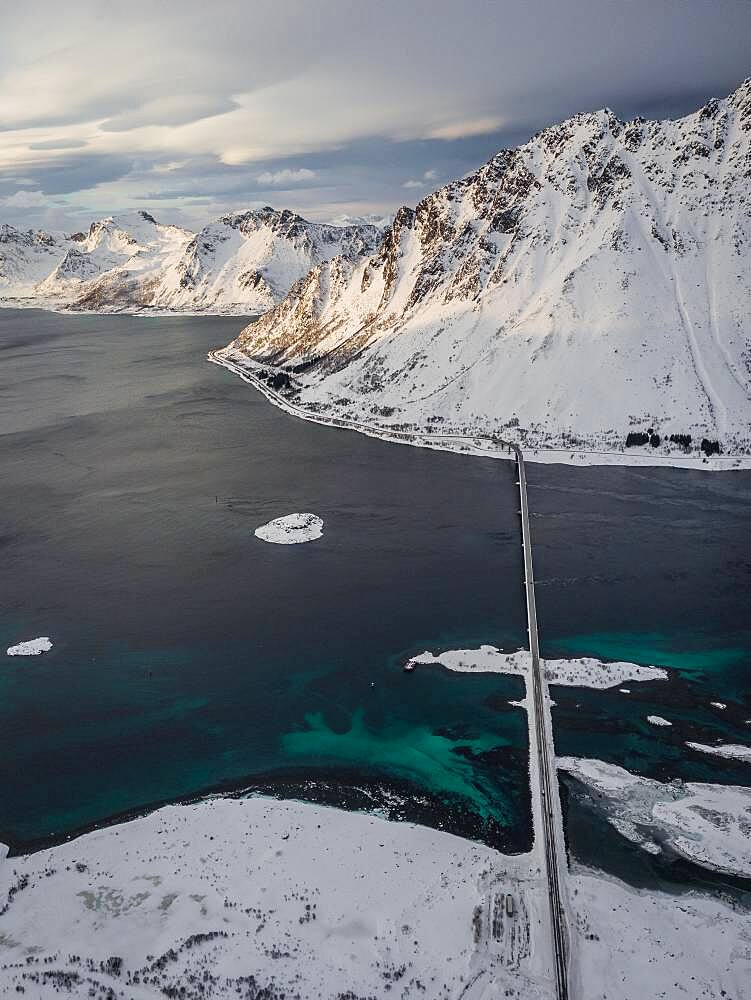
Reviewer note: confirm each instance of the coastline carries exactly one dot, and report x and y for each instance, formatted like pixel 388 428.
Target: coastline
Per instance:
pixel 473 445
pixel 260 897
pixel 142 312
pixel 456 443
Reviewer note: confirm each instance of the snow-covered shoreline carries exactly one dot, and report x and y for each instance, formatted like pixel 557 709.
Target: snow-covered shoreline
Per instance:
pixel 138 312
pixel 467 445
pixel 232 896
pixel 705 823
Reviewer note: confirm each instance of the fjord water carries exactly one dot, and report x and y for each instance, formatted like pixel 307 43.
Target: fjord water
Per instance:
pixel 189 655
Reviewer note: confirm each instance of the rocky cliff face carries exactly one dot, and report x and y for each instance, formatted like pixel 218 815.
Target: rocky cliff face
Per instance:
pixel 592 282
pixel 242 263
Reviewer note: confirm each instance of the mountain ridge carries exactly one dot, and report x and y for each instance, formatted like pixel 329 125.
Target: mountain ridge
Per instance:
pixel 244 262
pixel 583 286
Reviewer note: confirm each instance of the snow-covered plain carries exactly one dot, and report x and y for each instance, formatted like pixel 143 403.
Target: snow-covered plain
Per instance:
pixel 229 897
pixel 583 671
pixel 705 823
pixel 31 647
pixel 243 263
pixel 292 529
pixel 587 285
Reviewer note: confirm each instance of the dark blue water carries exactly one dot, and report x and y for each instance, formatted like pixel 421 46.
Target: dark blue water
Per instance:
pixel 189 655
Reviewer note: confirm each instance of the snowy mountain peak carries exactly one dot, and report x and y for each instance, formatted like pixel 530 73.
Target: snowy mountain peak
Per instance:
pixel 245 262
pixel 586 284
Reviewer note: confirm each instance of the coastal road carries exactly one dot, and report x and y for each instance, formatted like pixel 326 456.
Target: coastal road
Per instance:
pixel 550 809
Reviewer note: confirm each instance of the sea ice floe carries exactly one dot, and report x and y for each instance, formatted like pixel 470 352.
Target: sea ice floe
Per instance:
pixel 735 751
pixel 657 720
pixel 705 823
pixel 718 704
pixel 583 671
pixel 32 647
pixel 291 529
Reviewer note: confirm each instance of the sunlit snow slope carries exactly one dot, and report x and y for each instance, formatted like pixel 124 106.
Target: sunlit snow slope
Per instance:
pixel 592 282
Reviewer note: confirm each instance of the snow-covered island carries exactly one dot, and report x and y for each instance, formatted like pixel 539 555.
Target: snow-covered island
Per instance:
pixel 31 647
pixel 582 671
pixel 292 529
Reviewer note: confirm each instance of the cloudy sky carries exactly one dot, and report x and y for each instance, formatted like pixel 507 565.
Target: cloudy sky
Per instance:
pixel 331 107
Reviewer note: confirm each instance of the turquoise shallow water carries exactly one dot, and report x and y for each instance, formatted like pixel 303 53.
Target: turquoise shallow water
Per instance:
pixel 189 655
pixel 660 649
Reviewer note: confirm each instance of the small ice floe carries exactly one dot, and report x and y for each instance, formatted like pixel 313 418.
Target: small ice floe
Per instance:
pixel 624 690
pixel 657 720
pixel 291 529
pixel 718 704
pixel 32 647
pixel 735 751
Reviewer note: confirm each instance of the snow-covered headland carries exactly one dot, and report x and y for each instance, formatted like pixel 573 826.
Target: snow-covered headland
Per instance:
pixel 235 896
pixel 514 302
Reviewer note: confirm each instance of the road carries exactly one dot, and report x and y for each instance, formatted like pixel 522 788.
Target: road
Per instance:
pixel 546 764
pixel 551 822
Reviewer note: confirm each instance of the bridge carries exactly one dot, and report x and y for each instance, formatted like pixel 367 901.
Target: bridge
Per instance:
pixel 550 836
pixel 549 804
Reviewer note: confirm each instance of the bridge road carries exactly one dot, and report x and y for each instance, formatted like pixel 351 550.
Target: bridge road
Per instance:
pixel 550 807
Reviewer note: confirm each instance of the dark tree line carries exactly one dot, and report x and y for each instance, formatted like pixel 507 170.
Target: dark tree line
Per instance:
pixel 684 440
pixel 636 438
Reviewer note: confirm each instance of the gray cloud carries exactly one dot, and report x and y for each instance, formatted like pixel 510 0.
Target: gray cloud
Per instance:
pixel 58 144
pixel 70 174
pixel 177 109
pixel 103 107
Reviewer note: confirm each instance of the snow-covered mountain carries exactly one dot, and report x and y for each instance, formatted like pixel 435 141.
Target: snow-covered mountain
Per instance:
pixel 242 263
pixel 590 283
pixel 249 261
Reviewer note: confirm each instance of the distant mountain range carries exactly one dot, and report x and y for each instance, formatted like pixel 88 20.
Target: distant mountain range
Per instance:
pixel 241 264
pixel 590 284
